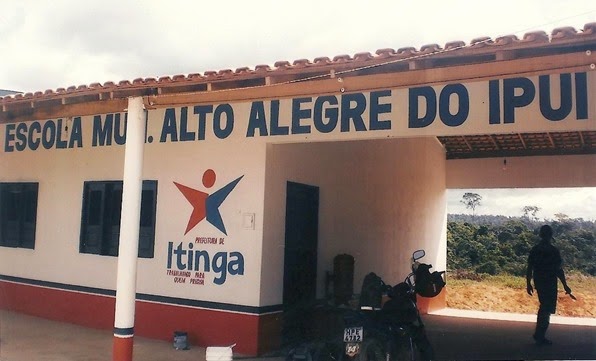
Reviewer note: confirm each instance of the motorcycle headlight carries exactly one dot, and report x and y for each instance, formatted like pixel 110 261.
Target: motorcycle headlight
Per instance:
pixel 401 331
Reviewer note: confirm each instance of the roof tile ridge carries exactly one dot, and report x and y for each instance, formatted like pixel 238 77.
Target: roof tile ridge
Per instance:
pixel 243 70
pixel 507 40
pixel 455 44
pixel 570 33
pixel 341 59
pixel 302 63
pixel 363 56
pixel 481 42
pixel 429 49
pixel 539 37
pixel 322 60
pixel 262 68
pixel 385 53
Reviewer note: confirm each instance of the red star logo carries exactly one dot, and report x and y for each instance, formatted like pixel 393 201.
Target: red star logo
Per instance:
pixel 197 200
pixel 206 205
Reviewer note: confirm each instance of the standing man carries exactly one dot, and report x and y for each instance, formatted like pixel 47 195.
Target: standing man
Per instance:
pixel 545 266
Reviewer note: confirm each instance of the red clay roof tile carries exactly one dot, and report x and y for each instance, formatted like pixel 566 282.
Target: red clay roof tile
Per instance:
pixel 282 64
pixel 407 51
pixel 430 48
pixel 342 58
pixel 225 72
pixel 385 53
pixel 481 41
pixel 262 67
pixel 506 40
pixel 454 45
pixel 564 32
pixel 243 70
pixel 536 36
pixel 301 63
pixel 322 60
pixel 363 56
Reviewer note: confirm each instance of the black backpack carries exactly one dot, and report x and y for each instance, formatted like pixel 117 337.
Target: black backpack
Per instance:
pixel 371 294
pixel 428 284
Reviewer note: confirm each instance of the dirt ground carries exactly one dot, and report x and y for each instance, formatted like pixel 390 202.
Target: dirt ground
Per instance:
pixel 482 296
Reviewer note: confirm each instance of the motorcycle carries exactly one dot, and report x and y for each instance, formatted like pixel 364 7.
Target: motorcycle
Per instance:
pixel 393 331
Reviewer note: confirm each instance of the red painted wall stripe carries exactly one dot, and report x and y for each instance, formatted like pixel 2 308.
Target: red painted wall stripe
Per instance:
pixel 153 320
pixel 59 305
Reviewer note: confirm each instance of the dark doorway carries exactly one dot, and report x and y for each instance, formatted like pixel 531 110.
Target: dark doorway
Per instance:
pixel 300 257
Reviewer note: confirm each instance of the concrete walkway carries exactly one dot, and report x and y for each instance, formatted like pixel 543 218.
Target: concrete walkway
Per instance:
pixel 456 335
pixel 27 338
pixel 471 335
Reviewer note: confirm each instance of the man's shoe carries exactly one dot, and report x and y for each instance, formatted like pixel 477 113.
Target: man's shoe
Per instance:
pixel 543 341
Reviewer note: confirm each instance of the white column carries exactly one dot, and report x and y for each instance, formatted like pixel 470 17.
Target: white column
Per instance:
pixel 129 232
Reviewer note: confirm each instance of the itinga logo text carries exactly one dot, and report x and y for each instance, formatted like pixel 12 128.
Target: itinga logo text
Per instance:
pixel 186 259
pixel 191 266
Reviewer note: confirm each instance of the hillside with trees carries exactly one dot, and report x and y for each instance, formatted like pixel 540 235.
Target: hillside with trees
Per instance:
pixel 487 255
pixel 500 245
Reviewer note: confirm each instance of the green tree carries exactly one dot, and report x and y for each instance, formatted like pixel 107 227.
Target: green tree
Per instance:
pixel 561 217
pixel 494 244
pixel 531 211
pixel 489 267
pixel 471 201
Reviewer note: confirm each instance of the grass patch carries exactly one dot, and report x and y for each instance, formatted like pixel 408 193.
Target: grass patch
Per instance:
pixel 507 293
pixel 575 280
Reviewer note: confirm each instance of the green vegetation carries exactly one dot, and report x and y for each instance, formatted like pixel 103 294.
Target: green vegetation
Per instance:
pixel 487 255
pixel 497 245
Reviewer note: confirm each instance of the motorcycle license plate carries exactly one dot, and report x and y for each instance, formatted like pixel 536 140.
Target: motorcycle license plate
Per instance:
pixel 353 334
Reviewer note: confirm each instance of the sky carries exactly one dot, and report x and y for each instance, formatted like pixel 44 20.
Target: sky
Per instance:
pixel 573 202
pixel 60 43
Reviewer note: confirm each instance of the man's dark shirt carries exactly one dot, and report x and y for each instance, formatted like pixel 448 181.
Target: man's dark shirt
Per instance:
pixel 545 261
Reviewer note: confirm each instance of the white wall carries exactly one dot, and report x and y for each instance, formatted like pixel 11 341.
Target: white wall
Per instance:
pixel 62 172
pixel 379 201
pixel 523 172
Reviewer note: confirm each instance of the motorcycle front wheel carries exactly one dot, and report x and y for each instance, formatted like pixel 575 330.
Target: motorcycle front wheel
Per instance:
pixel 371 350
pixel 406 350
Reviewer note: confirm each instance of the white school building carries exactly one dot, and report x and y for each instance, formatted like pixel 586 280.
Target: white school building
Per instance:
pixel 254 180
